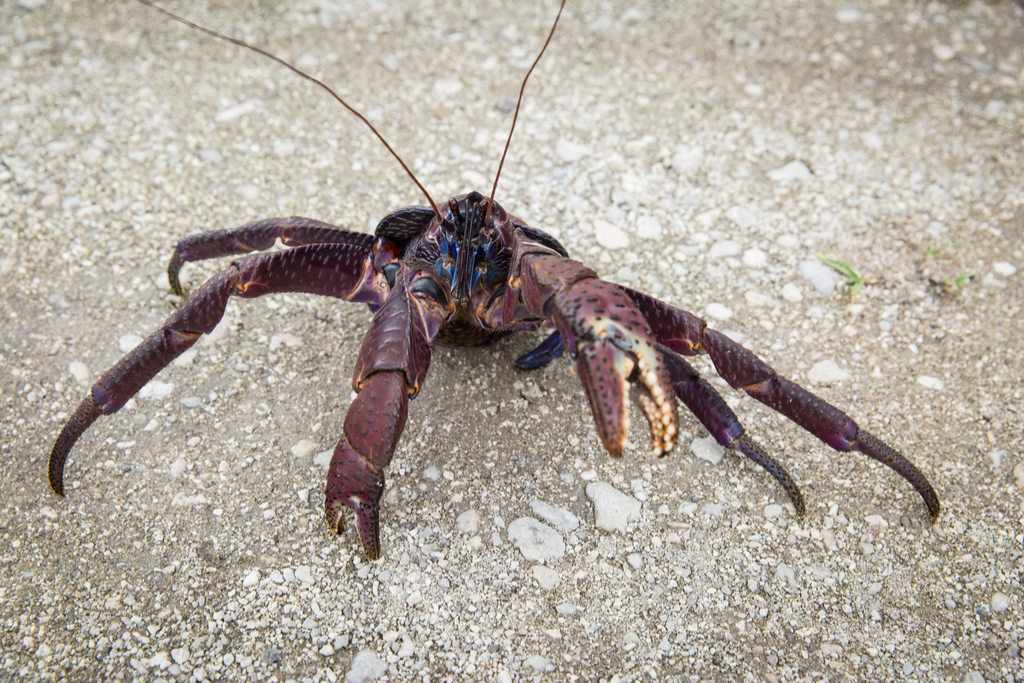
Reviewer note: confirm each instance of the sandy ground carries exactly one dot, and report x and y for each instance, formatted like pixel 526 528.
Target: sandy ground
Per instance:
pixel 191 545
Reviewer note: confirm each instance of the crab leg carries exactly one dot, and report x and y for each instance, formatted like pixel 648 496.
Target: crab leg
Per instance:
pixel 393 362
pixel 609 340
pixel 338 270
pixel 712 411
pixel 259 236
pixel 687 334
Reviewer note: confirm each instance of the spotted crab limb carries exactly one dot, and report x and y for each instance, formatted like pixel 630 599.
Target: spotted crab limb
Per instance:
pixel 392 363
pixel 713 412
pixel 687 334
pixel 330 269
pixel 611 343
pixel 259 236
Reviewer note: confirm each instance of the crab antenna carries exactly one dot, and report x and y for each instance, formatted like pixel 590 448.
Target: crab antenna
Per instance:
pixel 300 72
pixel 490 203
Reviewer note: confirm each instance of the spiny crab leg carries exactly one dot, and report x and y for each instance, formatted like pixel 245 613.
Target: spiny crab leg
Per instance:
pixel 611 343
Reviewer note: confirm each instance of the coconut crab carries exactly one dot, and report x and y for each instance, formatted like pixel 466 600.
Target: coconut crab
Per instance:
pixel 465 274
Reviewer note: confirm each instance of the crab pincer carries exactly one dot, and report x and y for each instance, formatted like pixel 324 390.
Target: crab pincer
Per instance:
pixel 615 354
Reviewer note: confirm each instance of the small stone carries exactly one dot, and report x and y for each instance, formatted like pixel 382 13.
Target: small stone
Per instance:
pixel 635 560
pixel 277 577
pixel 1004 268
pixel 193 441
pixel 829 539
pixel 1018 475
pixel 304 448
pixel 432 473
pixel 930 382
pixel 365 666
pixel 827 372
pixel 79 371
pixel 687 508
pixel 819 275
pixel 848 16
pixel 561 519
pixel 407 649
pixel 415 598
pixel 757 299
pixel 724 248
pixel 742 216
pixel 648 228
pixel 718 311
pixel 999 602
pixel 755 258
pixel 566 609
pixel 687 161
pixel 943 53
pixel 156 390
pixel 874 589
pixel 127 342
pixel 180 655
pixel 468 522
pixel 570 151
pixel 872 140
pixel 191 401
pixel 303 574
pixel 877 523
pixel 610 236
pixel 613 509
pixel 251 579
pixel 794 170
pixel 713 509
pixel 546 577
pixel 536 541
pixel 786 573
pixel 284 339
pixel 178 468
pixel 48 512
pixel 773 511
pixel 708 449
pixel 974 677
pixel 539 664
pixel 792 293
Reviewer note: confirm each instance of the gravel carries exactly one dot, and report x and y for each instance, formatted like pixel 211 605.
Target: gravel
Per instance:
pixel 123 132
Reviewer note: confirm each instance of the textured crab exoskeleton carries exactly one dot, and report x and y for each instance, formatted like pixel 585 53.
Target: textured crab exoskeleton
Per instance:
pixel 458 278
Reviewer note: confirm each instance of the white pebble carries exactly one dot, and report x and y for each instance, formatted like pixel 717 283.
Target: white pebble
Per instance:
pixel 156 390
pixel 794 170
pixel 687 508
pixel 648 228
pixel 819 275
pixel 179 655
pixel 757 299
pixel 546 577
pixel 191 401
pixel 827 372
pixel 613 509
pixel 772 511
pixel 566 609
pixel 304 448
pixel 251 579
pixel 929 382
pixel 1018 475
pixel 636 561
pixel 609 236
pixel 1004 268
pixel 365 666
pixel 877 522
pixel 712 509
pixel 742 216
pixel 178 468
pixel 536 541
pixel 792 293
pixel 304 575
pixel 539 664
pixel 687 160
pixel 570 151
pixel 755 258
pixel 943 53
pixel 872 140
pixel 127 342
pixel 708 449
pixel 848 16
pixel 1000 602
pixel 468 522
pixel 786 573
pixel 724 248
pixel 718 311
pixel 432 473
pixel 284 339
pixel 48 512
pixel 79 371
pixel 193 441
pixel 561 519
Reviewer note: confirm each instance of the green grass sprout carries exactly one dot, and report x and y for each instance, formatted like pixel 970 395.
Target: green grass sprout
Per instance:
pixel 855 281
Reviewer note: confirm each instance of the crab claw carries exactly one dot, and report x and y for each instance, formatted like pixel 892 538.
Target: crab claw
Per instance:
pixel 605 365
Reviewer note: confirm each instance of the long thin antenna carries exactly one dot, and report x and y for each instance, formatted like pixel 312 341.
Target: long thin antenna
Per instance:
pixel 515 117
pixel 300 72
